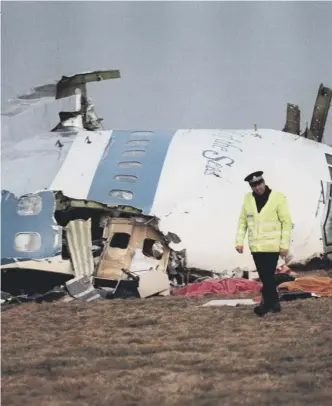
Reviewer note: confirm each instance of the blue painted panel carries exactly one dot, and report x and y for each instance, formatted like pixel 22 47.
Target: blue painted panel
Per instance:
pixel 142 191
pixel 12 223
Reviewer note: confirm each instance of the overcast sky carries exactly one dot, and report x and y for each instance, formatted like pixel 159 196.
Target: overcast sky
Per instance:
pixel 183 65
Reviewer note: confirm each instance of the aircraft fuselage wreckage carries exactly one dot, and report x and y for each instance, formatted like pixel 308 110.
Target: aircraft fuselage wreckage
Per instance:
pixel 90 207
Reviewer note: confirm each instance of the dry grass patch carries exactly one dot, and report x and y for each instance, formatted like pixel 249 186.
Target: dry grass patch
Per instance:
pixel 166 351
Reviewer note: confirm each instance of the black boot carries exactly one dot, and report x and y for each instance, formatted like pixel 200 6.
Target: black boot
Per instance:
pixel 261 309
pixel 276 308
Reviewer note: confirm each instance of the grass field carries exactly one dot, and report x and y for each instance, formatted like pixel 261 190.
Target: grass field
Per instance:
pixel 166 351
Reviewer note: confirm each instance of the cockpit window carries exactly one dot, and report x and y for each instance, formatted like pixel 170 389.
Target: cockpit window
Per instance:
pixel 328 159
pixel 327 227
pixel 329 163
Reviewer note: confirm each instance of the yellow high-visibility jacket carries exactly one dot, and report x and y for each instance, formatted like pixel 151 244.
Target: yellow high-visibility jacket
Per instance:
pixel 269 230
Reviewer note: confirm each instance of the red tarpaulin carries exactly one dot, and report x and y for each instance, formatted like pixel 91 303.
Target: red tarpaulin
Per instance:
pixel 227 286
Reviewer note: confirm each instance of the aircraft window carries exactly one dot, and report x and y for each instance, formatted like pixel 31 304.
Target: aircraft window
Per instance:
pixel 27 242
pixel 328 159
pixel 138 143
pixel 129 164
pixel 152 248
pixel 29 205
pixel 122 194
pixel 120 240
pixel 134 152
pixel 141 133
pixel 125 178
pixel 147 247
pixel 328 225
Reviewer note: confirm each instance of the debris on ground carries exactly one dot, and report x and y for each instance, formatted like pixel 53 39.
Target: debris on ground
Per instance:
pixel 95 252
pixel 229 302
pixel 318 285
pixel 102 253
pixel 228 286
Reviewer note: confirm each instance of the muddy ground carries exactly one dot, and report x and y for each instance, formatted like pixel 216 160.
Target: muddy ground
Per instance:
pixel 166 351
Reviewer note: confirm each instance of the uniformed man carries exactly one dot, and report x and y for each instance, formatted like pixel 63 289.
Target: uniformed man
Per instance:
pixel 266 216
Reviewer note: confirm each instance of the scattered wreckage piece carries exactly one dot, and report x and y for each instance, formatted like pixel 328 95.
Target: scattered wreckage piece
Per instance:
pixel 68 84
pixel 318 120
pixel 86 239
pixel 127 243
pixel 320 114
pixel 8 300
pixel 79 239
pixel 60 224
pixel 289 296
pixel 316 261
pixel 84 115
pixel 303 287
pixel 153 283
pixel 319 285
pixel 293 119
pixel 136 245
pixel 35 276
pixel 194 275
pixel 82 288
pixel 229 302
pixel 133 244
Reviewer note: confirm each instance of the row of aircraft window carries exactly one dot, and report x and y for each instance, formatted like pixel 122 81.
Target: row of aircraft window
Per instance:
pixel 128 195
pixel 136 153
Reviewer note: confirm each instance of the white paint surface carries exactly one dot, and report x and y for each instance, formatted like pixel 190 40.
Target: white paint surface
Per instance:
pixel 203 209
pixel 229 302
pixel 76 174
pixel 19 172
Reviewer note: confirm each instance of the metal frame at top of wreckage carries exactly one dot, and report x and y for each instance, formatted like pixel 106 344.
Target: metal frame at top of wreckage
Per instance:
pixel 89 249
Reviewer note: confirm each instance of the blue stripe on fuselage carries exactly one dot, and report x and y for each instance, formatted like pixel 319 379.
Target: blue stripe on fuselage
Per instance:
pixel 148 174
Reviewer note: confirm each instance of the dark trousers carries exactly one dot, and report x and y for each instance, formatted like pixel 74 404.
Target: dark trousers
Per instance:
pixel 266 264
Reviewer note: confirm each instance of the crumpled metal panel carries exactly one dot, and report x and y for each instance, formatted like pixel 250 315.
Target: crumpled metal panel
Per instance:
pixel 80 247
pixel 82 288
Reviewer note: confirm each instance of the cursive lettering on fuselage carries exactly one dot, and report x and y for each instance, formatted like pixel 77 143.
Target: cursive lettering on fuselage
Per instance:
pixel 218 156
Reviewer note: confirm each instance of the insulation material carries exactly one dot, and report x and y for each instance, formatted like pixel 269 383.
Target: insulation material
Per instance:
pixel 131 245
pixel 111 266
pixel 114 258
pixel 80 247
